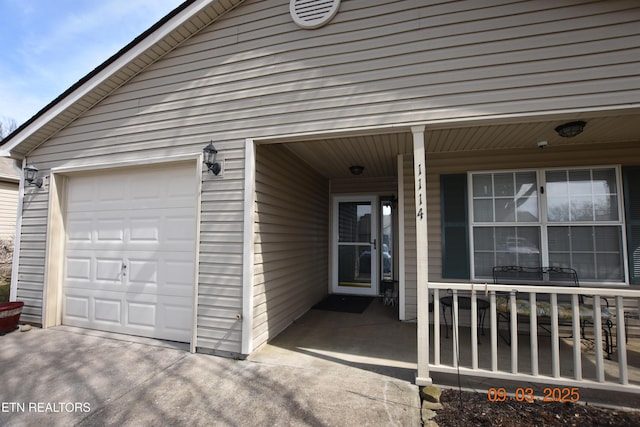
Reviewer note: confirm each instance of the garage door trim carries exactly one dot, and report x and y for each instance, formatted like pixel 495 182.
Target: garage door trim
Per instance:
pixel 55 245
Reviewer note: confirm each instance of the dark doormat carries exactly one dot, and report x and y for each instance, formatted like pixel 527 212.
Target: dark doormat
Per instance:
pixel 344 303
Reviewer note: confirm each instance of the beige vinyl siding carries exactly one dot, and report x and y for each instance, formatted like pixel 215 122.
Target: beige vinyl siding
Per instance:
pixel 8 208
pixel 220 268
pixel 291 240
pixel 626 154
pixel 255 74
pixel 32 252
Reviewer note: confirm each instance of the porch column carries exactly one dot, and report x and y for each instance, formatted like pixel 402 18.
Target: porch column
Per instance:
pixel 419 172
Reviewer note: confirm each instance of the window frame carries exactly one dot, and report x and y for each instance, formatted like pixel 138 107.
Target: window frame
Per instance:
pixel 543 222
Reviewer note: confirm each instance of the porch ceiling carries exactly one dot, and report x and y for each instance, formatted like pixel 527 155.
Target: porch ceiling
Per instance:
pixel 377 152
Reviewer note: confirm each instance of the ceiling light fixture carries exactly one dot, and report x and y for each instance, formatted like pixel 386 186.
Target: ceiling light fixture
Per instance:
pixel 569 130
pixel 356 170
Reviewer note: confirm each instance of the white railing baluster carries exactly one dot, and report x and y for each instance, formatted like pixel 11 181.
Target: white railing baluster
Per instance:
pixel 597 332
pixel 577 344
pixel 514 332
pixel 621 340
pixel 555 337
pixel 436 326
pixel 494 330
pixel 533 334
pixel 454 329
pixel 474 329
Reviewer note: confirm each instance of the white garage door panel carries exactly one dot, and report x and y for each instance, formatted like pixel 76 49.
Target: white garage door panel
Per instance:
pixel 147 229
pixel 164 273
pixel 131 314
pixel 130 252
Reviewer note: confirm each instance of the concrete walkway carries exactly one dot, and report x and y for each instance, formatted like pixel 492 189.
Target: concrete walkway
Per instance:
pixel 70 376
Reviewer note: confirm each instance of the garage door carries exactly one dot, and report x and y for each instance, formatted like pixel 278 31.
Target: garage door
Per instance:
pixel 130 251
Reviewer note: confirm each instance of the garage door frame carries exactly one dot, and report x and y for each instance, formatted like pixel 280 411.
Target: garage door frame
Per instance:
pixel 55 245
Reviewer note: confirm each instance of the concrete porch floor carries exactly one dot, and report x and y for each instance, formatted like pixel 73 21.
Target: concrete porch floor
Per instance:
pixel 376 341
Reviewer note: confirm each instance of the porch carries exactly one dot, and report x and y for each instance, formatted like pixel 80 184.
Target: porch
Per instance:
pixel 375 341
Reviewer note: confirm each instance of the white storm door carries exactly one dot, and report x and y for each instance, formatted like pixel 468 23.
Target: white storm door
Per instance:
pixel 130 251
pixel 355 246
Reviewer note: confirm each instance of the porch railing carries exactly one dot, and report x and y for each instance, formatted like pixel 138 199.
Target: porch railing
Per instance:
pixel 555 356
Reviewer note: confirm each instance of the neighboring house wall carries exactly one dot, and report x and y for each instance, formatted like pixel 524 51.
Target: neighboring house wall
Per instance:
pixel 291 233
pixel 8 208
pixel 256 74
pixel 9 185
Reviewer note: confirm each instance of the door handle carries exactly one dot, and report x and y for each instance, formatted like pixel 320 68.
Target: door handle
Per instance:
pixel 374 244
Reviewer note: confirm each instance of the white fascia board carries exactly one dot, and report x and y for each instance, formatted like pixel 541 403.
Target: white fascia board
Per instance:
pixel 104 74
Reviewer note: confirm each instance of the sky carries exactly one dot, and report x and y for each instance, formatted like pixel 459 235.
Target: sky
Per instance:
pixel 48 45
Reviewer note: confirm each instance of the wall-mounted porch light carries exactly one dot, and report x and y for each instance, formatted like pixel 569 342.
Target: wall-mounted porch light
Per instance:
pixel 31 175
pixel 210 154
pixel 569 130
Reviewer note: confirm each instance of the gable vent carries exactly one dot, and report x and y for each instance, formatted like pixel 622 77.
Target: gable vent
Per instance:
pixel 313 13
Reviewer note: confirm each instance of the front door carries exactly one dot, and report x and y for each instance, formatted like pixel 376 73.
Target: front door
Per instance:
pixel 355 246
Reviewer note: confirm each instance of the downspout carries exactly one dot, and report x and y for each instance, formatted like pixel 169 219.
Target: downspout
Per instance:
pixel 422 255
pixel 13 290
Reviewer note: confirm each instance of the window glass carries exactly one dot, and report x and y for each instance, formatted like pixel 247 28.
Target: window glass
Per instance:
pixel 482 185
pixel 595 252
pixel 505 197
pixel 507 226
pixel 483 210
pixel 557 193
pixel 505 246
pixel 526 197
pixel 354 220
pixel 505 210
pixel 582 195
pixel 503 183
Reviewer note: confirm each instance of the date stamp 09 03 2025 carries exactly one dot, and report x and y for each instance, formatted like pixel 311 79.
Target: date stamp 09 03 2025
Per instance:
pixel 527 394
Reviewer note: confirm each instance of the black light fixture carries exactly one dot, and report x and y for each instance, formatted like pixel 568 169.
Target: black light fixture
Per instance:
pixel 31 175
pixel 571 129
pixel 210 154
pixel 356 170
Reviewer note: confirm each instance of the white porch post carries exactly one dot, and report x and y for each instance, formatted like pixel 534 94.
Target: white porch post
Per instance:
pixel 419 172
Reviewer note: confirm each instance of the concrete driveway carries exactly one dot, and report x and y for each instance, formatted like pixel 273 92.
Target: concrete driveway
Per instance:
pixel 69 376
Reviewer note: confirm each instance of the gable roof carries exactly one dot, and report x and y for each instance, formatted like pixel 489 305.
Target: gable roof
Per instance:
pixel 176 27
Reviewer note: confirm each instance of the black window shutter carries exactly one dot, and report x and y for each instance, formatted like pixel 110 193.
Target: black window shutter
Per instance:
pixel 631 179
pixel 455 239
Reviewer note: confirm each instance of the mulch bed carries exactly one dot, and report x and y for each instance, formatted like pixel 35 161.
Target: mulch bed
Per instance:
pixel 477 410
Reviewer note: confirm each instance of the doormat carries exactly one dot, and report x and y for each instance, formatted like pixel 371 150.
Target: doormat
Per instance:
pixel 344 303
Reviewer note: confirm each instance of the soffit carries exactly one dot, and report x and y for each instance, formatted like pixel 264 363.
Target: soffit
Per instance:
pixel 332 157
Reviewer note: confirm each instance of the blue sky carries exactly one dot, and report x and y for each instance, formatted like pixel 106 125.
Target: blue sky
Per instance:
pixel 48 45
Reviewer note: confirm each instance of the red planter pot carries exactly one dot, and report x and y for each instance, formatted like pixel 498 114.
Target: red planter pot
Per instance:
pixel 10 315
